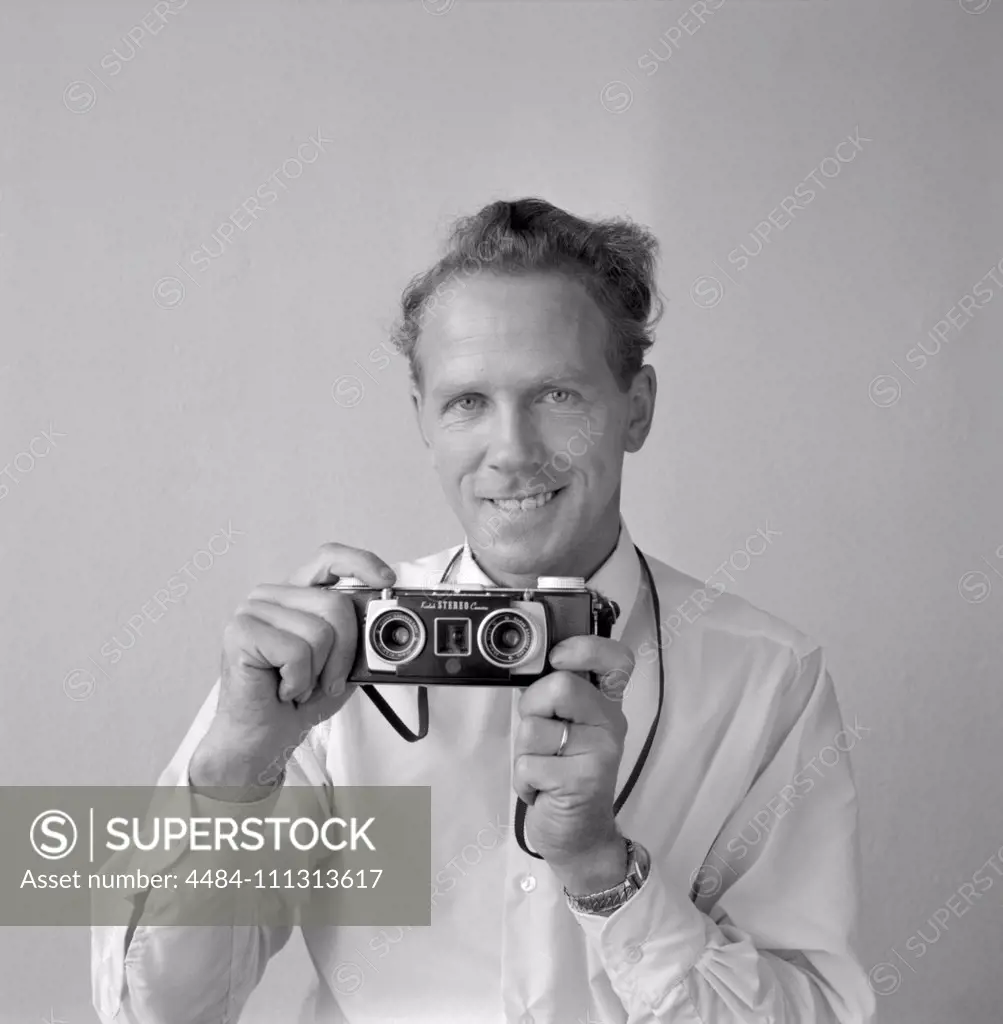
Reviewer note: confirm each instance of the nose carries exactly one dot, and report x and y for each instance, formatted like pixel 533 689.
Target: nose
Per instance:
pixel 516 447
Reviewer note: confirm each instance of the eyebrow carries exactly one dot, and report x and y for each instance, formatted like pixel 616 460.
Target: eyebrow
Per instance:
pixel 557 377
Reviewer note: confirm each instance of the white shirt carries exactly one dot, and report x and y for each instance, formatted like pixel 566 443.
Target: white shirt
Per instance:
pixel 746 798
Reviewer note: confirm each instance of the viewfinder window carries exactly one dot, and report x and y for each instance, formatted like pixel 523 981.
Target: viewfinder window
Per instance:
pixel 452 637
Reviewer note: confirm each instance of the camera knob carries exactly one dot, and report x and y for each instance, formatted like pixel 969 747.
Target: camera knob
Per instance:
pixel 350 583
pixel 560 583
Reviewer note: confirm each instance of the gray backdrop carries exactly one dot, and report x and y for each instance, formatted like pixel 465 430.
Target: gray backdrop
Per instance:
pixel 193 381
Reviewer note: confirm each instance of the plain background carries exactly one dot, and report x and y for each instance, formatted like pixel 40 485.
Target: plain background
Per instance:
pixel 179 419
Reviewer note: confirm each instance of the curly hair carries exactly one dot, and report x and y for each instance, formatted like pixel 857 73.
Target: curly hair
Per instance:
pixel 613 259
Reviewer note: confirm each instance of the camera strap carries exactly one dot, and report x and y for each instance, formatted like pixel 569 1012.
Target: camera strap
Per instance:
pixel 520 808
pixel 394 719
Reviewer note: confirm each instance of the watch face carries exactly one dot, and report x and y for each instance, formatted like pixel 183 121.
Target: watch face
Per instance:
pixel 642 860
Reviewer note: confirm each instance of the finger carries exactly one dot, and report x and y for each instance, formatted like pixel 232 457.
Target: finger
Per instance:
pixel 533 774
pixel 259 649
pixel 321 705
pixel 335 560
pixel 615 684
pixel 536 735
pixel 597 654
pixel 334 608
pixel 332 662
pixel 314 631
pixel 564 695
pixel 335 672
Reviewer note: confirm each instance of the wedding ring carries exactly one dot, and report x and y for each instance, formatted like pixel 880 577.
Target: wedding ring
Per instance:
pixel 564 739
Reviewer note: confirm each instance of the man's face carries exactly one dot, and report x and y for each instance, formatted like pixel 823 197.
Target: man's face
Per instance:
pixel 526 422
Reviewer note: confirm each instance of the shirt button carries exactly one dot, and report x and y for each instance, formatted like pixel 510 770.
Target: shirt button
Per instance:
pixel 527 1018
pixel 633 954
pixel 527 884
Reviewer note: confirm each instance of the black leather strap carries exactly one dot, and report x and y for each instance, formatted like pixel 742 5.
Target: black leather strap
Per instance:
pixel 392 717
pixel 650 739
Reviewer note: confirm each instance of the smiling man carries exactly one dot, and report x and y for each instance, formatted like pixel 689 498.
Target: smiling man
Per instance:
pixel 528 420
pixel 668 868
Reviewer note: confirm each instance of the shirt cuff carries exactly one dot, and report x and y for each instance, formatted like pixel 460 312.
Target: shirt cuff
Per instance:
pixel 187 802
pixel 649 944
pixel 196 896
pixel 182 801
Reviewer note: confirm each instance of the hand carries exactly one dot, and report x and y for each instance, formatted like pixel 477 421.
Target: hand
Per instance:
pixel 569 817
pixel 287 653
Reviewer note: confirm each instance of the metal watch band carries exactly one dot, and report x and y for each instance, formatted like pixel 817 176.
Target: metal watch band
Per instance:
pixel 605 902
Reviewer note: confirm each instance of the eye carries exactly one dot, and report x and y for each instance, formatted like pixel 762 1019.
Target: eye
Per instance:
pixel 465 403
pixel 559 396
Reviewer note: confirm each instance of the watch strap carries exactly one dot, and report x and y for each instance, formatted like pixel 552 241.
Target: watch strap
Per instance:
pixel 606 902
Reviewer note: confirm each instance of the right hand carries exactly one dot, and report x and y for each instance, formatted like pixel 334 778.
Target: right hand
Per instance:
pixel 287 653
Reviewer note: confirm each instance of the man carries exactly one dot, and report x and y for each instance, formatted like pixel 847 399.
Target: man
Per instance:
pixel 723 890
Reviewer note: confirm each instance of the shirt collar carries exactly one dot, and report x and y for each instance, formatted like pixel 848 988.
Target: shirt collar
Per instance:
pixel 617 578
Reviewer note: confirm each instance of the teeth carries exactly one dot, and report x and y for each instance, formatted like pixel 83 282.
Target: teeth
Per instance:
pixel 515 505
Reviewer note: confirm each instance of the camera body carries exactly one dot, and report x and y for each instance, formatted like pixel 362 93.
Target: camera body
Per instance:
pixel 452 634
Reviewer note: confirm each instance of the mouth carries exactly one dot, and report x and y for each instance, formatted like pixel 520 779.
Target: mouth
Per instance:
pixel 511 505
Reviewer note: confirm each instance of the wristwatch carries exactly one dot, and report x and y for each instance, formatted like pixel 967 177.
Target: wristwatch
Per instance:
pixel 609 900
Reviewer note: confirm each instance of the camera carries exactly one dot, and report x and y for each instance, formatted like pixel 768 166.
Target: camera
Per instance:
pixel 468 634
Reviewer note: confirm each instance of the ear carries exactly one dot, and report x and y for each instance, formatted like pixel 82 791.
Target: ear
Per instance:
pixel 418 405
pixel 641 396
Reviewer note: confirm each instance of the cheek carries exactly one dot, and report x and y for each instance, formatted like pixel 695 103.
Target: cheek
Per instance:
pixel 453 458
pixel 601 470
pixel 591 450
pixel 572 437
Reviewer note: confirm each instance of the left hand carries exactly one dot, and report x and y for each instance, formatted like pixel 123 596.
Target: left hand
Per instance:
pixel 569 817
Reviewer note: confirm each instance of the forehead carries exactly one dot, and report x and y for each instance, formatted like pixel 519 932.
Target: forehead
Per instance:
pixel 506 326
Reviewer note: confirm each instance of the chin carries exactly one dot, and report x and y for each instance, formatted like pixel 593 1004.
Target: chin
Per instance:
pixel 525 556
pixel 516 559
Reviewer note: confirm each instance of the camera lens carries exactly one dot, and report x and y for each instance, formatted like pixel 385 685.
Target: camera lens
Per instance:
pixel 509 639
pixel 506 637
pixel 398 636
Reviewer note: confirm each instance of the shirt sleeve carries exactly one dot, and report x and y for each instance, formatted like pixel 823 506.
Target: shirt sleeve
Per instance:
pixel 160 974
pixel 768 936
